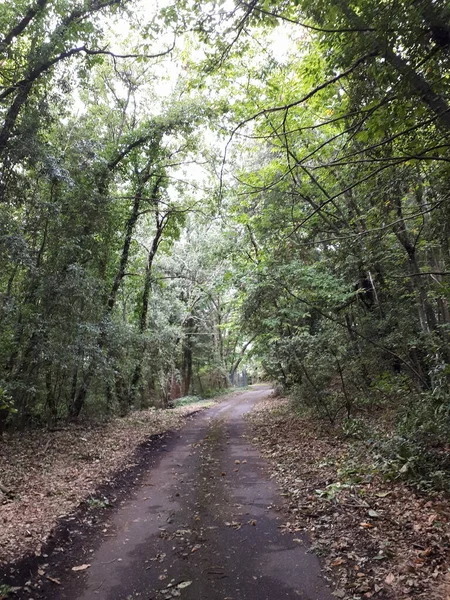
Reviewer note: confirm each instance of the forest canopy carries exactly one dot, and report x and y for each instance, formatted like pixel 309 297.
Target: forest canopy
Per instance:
pixel 201 186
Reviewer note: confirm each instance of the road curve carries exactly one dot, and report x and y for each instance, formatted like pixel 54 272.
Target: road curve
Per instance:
pixel 202 525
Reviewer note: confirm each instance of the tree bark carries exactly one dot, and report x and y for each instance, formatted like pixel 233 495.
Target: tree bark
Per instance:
pixel 426 313
pixel 129 230
pixel 240 357
pixel 45 60
pixel 22 24
pixel 187 357
pixel 161 222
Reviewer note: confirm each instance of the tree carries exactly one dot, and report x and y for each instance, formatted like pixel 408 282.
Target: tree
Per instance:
pixel 345 163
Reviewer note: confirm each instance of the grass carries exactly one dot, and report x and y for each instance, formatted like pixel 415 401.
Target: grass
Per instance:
pixel 207 399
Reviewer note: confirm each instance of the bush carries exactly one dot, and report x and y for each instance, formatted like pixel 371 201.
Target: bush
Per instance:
pixel 398 457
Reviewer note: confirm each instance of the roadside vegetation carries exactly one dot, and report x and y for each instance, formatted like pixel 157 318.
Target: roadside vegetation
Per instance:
pixel 377 535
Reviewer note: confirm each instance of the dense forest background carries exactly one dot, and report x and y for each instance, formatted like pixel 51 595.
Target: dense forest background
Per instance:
pixel 193 187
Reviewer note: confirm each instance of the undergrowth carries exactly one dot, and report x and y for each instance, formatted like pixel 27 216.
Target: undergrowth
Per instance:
pixel 206 398
pixel 396 442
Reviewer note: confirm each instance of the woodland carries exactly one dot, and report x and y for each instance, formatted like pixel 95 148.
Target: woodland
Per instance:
pixel 193 187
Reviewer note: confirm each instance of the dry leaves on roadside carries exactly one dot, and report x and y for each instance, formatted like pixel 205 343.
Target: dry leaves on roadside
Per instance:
pixel 49 473
pixel 81 567
pixel 377 539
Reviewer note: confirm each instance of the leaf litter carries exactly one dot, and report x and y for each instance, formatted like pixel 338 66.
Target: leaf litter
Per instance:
pixel 377 539
pixel 48 474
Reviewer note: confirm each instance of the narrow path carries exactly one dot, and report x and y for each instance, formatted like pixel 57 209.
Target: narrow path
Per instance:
pixel 201 526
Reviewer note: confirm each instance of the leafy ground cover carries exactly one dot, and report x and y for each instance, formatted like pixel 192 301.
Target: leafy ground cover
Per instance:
pixel 206 398
pixel 45 475
pixel 377 538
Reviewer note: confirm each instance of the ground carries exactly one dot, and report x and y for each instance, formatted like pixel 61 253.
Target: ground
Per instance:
pixel 244 500
pixel 377 538
pixel 46 474
pixel 203 523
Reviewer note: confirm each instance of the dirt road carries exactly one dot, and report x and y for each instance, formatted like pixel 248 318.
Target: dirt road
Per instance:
pixel 202 524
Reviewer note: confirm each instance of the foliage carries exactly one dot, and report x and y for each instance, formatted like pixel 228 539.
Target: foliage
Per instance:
pixel 186 400
pixel 342 203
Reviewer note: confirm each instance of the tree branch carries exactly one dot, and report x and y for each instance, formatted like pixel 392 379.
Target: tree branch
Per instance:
pixel 306 25
pixel 414 80
pixel 286 107
pixel 19 28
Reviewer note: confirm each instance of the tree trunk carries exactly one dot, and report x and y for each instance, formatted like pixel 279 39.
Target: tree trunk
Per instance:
pixel 50 397
pixel 129 230
pixel 240 357
pixel 425 310
pixel 80 397
pixel 161 223
pixel 187 357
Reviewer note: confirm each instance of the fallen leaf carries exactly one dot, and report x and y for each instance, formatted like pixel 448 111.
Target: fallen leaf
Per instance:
pixel 300 458
pixel 184 584
pixel 431 519
pixel 81 567
pixel 337 562
pixel 233 524
pixel 45 495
